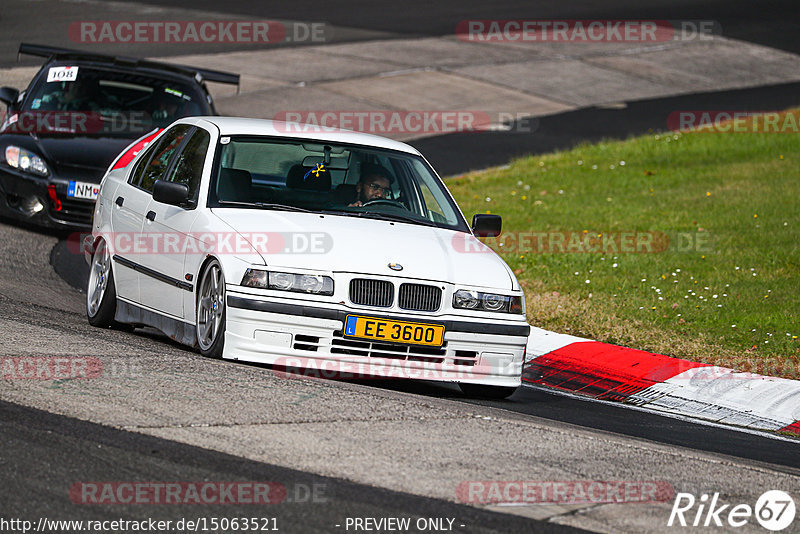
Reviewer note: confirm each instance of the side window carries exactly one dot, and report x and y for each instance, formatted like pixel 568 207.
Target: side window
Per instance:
pixel 189 165
pixel 162 154
pixel 434 209
pixel 136 175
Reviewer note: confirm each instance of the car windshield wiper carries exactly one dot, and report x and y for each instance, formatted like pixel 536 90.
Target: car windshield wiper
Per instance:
pixel 362 214
pixel 264 205
pixel 395 217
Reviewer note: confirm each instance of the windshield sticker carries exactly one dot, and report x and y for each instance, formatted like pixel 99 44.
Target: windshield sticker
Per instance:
pixel 62 74
pixel 36 104
pixel 317 171
pixel 224 140
pixel 173 92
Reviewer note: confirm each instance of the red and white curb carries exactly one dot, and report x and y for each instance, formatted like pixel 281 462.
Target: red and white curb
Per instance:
pixel 661 383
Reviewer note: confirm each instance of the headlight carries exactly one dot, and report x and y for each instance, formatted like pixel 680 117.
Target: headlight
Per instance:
pixel 492 302
pixel 26 161
pixel 466 299
pixel 475 300
pixel 254 278
pixel 298 283
pixel 281 281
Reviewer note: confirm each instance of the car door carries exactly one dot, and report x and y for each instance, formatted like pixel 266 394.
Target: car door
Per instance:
pixel 127 210
pixel 166 289
pixel 130 246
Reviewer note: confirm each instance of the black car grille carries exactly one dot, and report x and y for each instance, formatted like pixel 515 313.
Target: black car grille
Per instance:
pixel 389 351
pixel 419 297
pixel 75 211
pixel 366 292
pixel 303 342
pixel 380 293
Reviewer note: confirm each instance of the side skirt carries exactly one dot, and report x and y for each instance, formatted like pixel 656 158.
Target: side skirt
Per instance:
pixel 177 330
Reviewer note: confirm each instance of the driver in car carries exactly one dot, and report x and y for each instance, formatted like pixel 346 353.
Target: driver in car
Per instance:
pixel 81 94
pixel 374 184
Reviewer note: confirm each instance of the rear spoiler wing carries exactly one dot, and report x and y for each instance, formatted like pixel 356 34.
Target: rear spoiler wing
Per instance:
pixel 203 74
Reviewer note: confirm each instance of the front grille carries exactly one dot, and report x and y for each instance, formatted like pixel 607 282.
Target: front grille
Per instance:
pixel 465 357
pixel 75 211
pixel 389 351
pixel 419 297
pixel 303 342
pixel 366 292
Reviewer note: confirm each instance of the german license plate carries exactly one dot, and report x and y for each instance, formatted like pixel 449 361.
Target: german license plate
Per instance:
pixel 394 331
pixel 83 190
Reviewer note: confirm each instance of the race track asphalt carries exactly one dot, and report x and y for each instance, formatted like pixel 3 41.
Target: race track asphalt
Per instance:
pixel 45 454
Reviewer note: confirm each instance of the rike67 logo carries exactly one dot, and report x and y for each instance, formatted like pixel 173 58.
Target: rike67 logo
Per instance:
pixel 774 510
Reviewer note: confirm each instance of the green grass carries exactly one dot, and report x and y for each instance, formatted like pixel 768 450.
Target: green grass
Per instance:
pixel 740 192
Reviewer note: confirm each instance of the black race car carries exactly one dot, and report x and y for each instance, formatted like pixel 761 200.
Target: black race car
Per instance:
pixel 79 112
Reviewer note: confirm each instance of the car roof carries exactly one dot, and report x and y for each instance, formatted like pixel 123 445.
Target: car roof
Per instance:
pixel 266 127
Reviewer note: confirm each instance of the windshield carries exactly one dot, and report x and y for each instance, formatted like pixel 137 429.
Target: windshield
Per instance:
pixel 114 102
pixel 269 173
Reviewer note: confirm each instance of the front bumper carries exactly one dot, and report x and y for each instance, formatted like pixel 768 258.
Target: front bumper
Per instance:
pixel 302 338
pixel 25 197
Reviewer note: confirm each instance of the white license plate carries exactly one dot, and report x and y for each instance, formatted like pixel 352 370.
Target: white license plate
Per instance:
pixel 83 190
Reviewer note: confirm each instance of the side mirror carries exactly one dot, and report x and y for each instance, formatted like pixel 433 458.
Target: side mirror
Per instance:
pixel 173 193
pixel 8 95
pixel 485 225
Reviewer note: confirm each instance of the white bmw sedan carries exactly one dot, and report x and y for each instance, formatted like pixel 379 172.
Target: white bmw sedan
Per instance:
pixel 324 252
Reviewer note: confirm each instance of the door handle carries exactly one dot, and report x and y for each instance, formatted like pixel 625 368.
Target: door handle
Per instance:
pixel 119 202
pixel 151 215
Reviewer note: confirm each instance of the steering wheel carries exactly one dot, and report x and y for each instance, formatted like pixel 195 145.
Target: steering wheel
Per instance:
pixel 384 202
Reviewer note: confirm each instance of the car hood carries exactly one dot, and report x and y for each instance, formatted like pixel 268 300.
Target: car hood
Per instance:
pixel 92 153
pixel 368 246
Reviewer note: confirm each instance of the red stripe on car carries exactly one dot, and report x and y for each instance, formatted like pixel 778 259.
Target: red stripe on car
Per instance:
pixel 126 157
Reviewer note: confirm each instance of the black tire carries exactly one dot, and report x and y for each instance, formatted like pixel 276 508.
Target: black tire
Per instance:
pixel 101 295
pixel 211 291
pixel 487 392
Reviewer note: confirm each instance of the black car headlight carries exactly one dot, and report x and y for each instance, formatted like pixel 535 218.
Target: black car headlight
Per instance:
pixel 299 283
pixel 467 299
pixel 26 161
